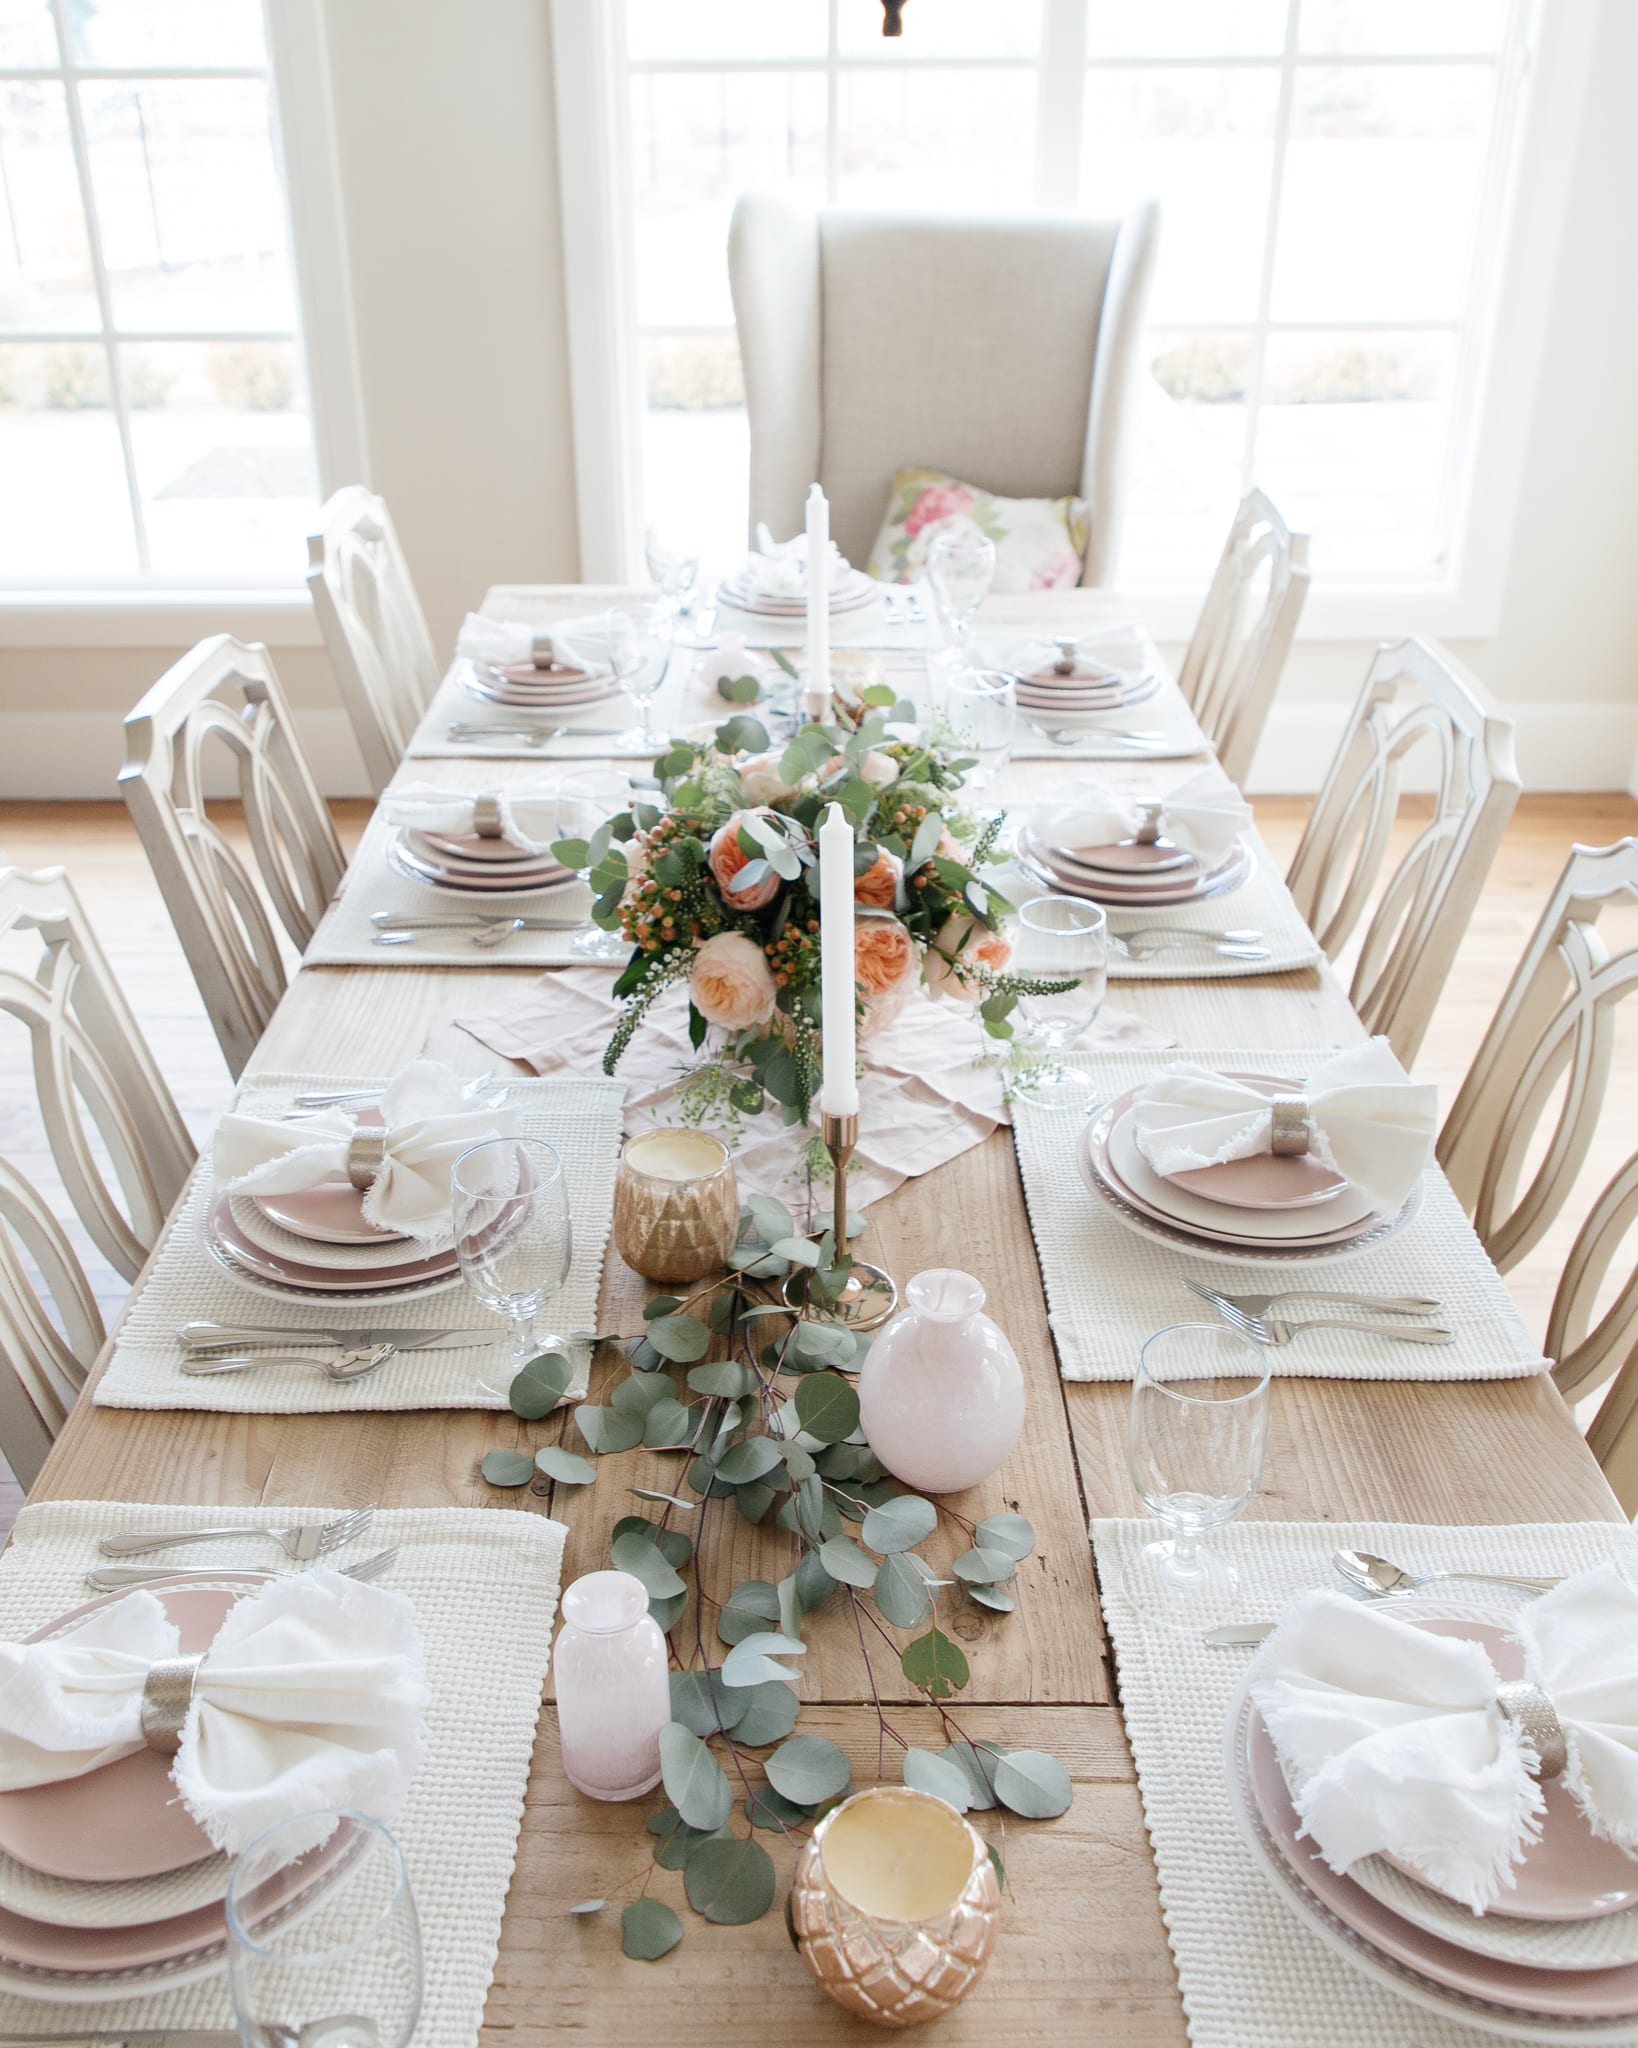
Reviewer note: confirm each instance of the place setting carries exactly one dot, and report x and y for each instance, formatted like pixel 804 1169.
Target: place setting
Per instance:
pixel 391 1245
pixel 1096 695
pixel 773 581
pixel 225 1788
pixel 1150 860
pixel 1314 1173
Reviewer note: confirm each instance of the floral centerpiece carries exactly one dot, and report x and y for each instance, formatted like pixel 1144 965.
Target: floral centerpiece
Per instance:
pixel 718 888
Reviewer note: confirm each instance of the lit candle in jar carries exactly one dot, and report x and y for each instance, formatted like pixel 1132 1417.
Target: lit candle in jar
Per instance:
pixel 818 592
pixel 839 1091
pixel 676 1204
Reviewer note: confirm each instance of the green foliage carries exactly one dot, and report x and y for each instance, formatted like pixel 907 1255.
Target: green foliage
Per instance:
pixel 649 1930
pixel 508 1468
pixel 935 1663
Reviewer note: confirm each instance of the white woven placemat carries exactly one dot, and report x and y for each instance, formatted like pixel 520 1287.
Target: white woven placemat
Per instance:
pixel 1108 1289
pixel 484 1584
pixel 580 1116
pixel 1252 1975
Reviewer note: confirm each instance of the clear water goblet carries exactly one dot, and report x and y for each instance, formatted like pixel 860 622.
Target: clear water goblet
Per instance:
pixel 1195 1440
pixel 673 568
pixel 1058 938
pixel 584 801
pixel 981 709
pixel 509 1203
pixel 960 570
pixel 640 643
pixel 341 1969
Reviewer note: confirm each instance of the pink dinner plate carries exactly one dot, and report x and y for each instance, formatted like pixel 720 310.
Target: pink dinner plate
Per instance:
pixel 462 847
pixel 1267 1181
pixel 1132 892
pixel 243 1252
pixel 519 879
pixel 555 672
pixel 331 1214
pixel 1129 857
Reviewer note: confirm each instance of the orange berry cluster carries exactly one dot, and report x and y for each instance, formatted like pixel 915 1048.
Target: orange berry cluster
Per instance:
pixel 655 915
pixel 794 955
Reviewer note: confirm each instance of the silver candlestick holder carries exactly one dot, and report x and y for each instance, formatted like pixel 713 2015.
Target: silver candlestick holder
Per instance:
pixel 870 1294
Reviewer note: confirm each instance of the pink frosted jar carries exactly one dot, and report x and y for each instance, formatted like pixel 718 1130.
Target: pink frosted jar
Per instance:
pixel 613 1695
pixel 941 1393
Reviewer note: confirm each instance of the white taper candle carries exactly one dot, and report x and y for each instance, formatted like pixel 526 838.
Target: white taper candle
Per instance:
pixel 839 1094
pixel 818 581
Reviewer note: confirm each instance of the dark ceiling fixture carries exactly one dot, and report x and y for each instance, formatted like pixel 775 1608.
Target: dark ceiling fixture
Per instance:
pixel 892 17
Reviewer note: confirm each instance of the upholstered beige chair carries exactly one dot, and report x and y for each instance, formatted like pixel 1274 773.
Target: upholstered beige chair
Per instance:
pixel 373 626
pixel 116 1141
pixel 1003 350
pixel 1520 1134
pixel 1419 715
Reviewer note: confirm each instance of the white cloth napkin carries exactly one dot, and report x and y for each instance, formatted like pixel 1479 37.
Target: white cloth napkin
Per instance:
pixel 528 813
pixel 1392 1742
pixel 1115 648
pixel 576 643
pixel 729 660
pixel 1367 1120
pixel 1203 816
pixel 312 1694
pixel 779 568
pixel 429 1124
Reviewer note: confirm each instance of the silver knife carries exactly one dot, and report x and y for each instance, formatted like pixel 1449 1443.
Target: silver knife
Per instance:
pixel 136 2037
pixel 226 1336
pixel 1235 1634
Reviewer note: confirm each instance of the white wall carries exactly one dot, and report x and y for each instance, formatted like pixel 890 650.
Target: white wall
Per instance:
pixel 446 140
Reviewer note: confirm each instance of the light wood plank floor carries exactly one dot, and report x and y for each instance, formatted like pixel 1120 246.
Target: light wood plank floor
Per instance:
pixel 95 842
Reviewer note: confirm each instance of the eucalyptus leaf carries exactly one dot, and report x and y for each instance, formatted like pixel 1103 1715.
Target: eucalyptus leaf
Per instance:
pixel 665 1614
pixel 641 1391
pixel 723 1376
pixel 771 1715
pixel 669 1426
pixel 653 1493
pixel 997 1865
pixel 748 1610
pixel 935 1664
pixel 588 1906
pixel 749 1460
pixel 993 1596
pixel 552 1461
pixel 977 1765
pixel 507 1468
pixel 763 1807
pixel 900 1523
pixel 814 1584
pixel 901 1590
pixel 751 1662
pixel 682 1338
pixel 674 1545
pixel 809 1769
pixel 770 1219
pixel 703 1704
pixel 693 1778
pixel 801 1251
pixel 730 1881
pixel 754 1501
pixel 798 1462
pixel 828 1407
pixel 649 1930
pixel 677 1840
pixel 791 1610
pixel 1033 1784
pixel 1010 1533
pixel 634 1554
pixel 661 1305
pixel 844 1560
pixel 538 1387
pixel 923 846
pixel 925 1772
pixel 985 1567
pixel 608 1429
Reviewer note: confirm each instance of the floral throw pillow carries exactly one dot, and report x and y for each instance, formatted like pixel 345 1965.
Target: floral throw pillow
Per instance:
pixel 1039 542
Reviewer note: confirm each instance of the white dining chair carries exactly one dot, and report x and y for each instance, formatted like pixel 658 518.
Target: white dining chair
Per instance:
pixel 1520 1132
pixel 1002 349
pixel 1234 662
pixel 373 626
pixel 220 716
pixel 1420 715
pixel 119 1147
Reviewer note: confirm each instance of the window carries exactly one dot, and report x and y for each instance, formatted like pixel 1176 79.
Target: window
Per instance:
pixel 154 423
pixel 1333 176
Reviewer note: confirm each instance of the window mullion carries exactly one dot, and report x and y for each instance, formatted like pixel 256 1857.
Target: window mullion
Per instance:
pixel 833 103
pixel 99 278
pixel 1060 114
pixel 1258 358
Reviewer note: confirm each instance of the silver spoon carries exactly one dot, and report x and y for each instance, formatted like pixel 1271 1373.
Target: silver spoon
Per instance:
pixel 349 1365
pixel 1378 1577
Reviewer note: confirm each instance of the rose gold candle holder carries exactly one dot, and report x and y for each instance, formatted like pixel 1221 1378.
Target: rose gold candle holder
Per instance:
pixel 895 1907
pixel 871 1293
pixel 672 1224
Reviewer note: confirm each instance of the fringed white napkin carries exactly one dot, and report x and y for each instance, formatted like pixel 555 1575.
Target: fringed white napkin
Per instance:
pixel 1366 1118
pixel 1113 649
pixel 575 643
pixel 779 568
pixel 1202 815
pixel 529 813
pixel 313 1694
pixel 429 1123
pixel 1393 1739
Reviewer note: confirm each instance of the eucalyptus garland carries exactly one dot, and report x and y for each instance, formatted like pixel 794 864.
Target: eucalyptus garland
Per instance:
pixel 771 1432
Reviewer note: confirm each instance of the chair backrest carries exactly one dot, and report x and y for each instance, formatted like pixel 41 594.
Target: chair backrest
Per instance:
pixel 1520 1133
pixel 1419 710
pixel 221 706
pixel 1037 320
pixel 373 626
pixel 118 1145
pixel 1234 662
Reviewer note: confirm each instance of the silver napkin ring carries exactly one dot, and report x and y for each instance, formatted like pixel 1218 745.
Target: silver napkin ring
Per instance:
pixel 366 1155
pixel 1534 1716
pixel 1149 831
pixel 541 652
pixel 486 816
pixel 1289 1127
pixel 167 1694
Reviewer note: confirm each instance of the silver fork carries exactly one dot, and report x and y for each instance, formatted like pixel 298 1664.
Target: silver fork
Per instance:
pixel 346 1367
pixel 302 1541
pixel 1151 949
pixel 1275 1330
pixel 108 1578
pixel 532 735
pixel 1260 1304
pixel 326 1098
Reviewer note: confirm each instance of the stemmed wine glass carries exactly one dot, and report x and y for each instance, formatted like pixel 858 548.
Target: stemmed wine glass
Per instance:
pixel 673 568
pixel 509 1201
pixel 640 638
pixel 1059 938
pixel 1195 1440
pixel 342 1969
pixel 960 569
pixel 981 709
pixel 584 801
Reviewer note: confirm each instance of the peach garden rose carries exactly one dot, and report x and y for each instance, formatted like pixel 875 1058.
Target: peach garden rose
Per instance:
pixel 885 970
pixel 878 886
pixel 731 983
pixel 964 940
pixel 762 782
pixel 725 857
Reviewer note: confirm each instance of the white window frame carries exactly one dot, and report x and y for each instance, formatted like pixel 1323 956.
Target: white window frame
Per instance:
pixel 152 612
pixel 1545 65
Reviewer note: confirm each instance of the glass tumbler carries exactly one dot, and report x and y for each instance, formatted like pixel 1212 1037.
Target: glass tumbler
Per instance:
pixel 1058 938
pixel 981 709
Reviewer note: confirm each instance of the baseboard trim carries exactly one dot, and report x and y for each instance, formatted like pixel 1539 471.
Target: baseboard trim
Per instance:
pixel 46 756
pixel 1561 747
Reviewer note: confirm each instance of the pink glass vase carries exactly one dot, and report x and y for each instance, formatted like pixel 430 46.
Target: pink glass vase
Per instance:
pixel 941 1394
pixel 613 1695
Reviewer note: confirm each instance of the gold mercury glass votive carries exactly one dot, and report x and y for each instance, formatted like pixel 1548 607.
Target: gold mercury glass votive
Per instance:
pixel 895 1907
pixel 676 1205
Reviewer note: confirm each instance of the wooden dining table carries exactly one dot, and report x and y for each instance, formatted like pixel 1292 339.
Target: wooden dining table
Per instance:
pixel 1083 1952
